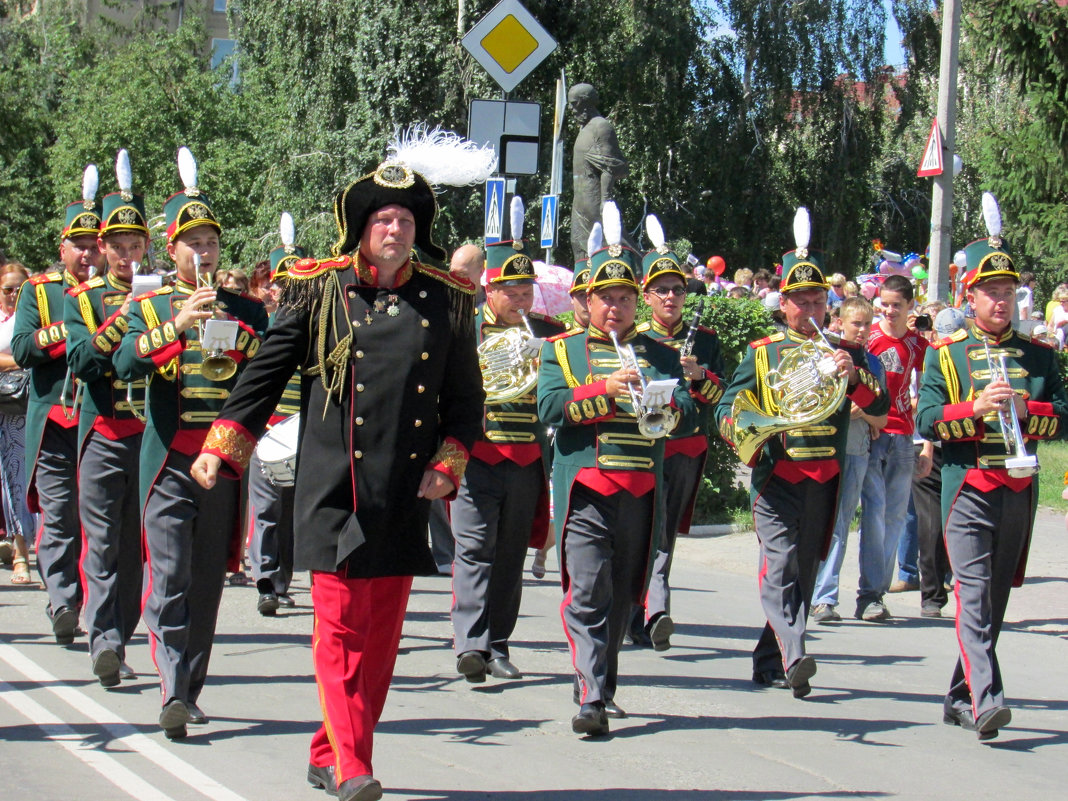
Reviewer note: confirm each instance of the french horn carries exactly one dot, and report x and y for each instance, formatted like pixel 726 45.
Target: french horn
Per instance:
pixel 508 374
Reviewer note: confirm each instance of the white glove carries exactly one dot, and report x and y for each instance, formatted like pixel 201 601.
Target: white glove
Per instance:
pixel 531 348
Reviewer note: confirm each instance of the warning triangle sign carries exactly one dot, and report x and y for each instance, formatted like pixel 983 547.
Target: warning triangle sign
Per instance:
pixel 931 164
pixel 547 223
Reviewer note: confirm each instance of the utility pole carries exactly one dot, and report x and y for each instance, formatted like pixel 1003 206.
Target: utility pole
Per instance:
pixel 942 193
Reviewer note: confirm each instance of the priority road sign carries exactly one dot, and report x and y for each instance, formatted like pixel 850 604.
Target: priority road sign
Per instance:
pixel 494 209
pixel 509 43
pixel 548 220
pixel 932 153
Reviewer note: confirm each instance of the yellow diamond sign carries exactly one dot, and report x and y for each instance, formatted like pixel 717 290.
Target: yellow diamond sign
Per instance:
pixel 508 43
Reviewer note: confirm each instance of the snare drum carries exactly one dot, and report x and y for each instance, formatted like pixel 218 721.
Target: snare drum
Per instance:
pixel 277 452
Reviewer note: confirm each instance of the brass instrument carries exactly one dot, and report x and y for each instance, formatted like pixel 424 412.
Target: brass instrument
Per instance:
pixel 508 374
pixel 216 365
pixel 806 389
pixel 76 400
pixel 695 323
pixel 1020 463
pixel 654 422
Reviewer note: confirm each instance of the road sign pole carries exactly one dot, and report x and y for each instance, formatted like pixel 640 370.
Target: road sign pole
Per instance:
pixel 942 193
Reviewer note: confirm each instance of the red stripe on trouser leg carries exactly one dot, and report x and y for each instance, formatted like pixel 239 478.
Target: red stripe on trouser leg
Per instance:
pixel 357 630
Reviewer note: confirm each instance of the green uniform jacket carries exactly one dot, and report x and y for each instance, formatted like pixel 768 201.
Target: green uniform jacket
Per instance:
pixel 39 342
pixel 516 422
pixel 95 328
pixel 821 442
pixel 594 430
pixel 955 371
pixel 180 399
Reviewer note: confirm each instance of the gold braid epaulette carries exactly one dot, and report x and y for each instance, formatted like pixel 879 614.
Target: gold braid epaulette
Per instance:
pixel 459 282
pixel 461 296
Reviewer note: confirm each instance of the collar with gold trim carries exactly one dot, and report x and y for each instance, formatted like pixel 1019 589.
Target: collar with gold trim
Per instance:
pixel 983 335
pixel 367 273
pixel 663 329
pixel 596 333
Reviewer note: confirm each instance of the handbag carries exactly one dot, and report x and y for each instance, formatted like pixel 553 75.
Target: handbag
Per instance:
pixel 14 391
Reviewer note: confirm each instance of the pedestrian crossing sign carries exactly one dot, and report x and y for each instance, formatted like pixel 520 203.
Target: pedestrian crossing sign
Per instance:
pixel 548 220
pixel 494 209
pixel 932 153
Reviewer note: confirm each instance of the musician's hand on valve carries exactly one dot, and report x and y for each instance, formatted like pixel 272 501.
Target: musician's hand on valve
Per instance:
pixel 1021 407
pixel 199 307
pixel 531 348
pixel 990 399
pixel 618 383
pixel 846 367
pixel 691 369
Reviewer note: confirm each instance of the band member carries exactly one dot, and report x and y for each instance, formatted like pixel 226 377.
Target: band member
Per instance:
pixel 794 486
pixel 664 290
pixel 109 433
pixel 967 403
pixel 39 342
pixel 391 403
pixel 503 501
pixel 189 532
pixel 270 504
pixel 607 467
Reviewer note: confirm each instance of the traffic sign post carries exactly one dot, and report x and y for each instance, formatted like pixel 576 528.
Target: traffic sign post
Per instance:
pixel 508 43
pixel 931 164
pixel 494 216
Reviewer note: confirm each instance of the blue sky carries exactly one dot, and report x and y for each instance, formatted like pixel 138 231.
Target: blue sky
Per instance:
pixel 892 51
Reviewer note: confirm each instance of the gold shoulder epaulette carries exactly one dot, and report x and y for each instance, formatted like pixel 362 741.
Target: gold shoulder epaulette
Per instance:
pixel 163 290
pixel 545 318
pixel 956 336
pixel 778 336
pixel 565 334
pixel 461 283
pixel 641 328
pixel 93 283
pixel 45 278
pixel 306 269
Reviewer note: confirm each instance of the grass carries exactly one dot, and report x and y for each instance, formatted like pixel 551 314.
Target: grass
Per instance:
pixel 1053 458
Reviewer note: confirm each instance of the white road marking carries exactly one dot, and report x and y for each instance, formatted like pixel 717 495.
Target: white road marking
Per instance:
pixel 119 729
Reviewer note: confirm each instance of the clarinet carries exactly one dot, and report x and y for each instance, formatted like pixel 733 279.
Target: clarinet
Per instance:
pixel 695 323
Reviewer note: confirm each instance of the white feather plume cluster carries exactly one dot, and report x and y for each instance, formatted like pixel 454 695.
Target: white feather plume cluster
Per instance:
pixel 991 214
pixel 90 182
pixel 960 258
pixel 287 230
pixel 123 171
pixel 596 239
pixel 187 168
pixel 612 223
pixel 802 228
pixel 442 157
pixel 515 217
pixel 655 231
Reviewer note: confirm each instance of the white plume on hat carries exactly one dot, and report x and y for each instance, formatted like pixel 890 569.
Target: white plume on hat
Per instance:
pixel 187 168
pixel 802 228
pixel 442 157
pixel 612 223
pixel 655 231
pixel 991 215
pixel 90 182
pixel 516 214
pixel 286 230
pixel 123 172
pixel 960 258
pixel 595 240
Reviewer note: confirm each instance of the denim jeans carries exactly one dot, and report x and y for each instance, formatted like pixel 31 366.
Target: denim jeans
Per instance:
pixel 908 550
pixel 884 502
pixel 826 591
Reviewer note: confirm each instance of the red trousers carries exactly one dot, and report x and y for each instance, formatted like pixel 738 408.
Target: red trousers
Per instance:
pixel 354 647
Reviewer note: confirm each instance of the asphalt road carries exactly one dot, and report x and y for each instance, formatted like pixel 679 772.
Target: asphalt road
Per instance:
pixel 698 729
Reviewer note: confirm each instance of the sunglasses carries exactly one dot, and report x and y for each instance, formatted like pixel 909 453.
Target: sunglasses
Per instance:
pixel 663 291
pixel 9 289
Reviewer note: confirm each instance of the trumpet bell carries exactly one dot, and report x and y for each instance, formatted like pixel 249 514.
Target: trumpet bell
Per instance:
pixel 658 423
pixel 218 367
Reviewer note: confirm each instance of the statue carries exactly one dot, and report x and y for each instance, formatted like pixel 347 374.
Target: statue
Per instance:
pixel 596 164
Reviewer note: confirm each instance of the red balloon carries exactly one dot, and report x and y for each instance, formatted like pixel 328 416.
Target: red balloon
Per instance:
pixel 716 264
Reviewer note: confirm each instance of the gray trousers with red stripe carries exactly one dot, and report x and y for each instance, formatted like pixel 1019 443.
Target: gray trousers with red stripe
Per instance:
pixel 985 535
pixel 187 538
pixel 111 519
pixel 792 524
pixel 270 522
pixel 605 555
pixel 59 545
pixel 681 474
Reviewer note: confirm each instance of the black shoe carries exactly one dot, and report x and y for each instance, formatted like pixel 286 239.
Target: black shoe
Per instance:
pixel 798 675
pixel 64 625
pixel 660 630
pixel 360 788
pixel 636 633
pixel 173 718
pixel 472 666
pixel 501 668
pixel 196 714
pixel 614 710
pixel 958 717
pixel 286 600
pixel 988 723
pixel 106 668
pixel 322 778
pixel 930 610
pixel 591 720
pixel 771 678
pixel 268 604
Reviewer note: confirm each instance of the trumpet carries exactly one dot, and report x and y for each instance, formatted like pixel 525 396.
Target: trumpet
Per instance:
pixel 654 422
pixel 1019 463
pixel 216 365
pixel 508 374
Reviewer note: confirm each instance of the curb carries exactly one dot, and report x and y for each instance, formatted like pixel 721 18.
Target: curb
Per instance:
pixel 720 530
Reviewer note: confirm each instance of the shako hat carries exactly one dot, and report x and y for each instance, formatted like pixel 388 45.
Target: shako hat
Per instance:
pixel 614 264
pixel 508 262
pixel 989 258
pixel 82 217
pixel 802 268
pixel 581 271
pixel 123 211
pixel 661 260
pixel 190 207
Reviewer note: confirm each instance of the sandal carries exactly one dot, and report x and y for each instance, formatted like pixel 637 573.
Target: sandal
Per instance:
pixel 21 571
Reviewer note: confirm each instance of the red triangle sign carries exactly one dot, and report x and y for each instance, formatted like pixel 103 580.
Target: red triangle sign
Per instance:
pixel 932 153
